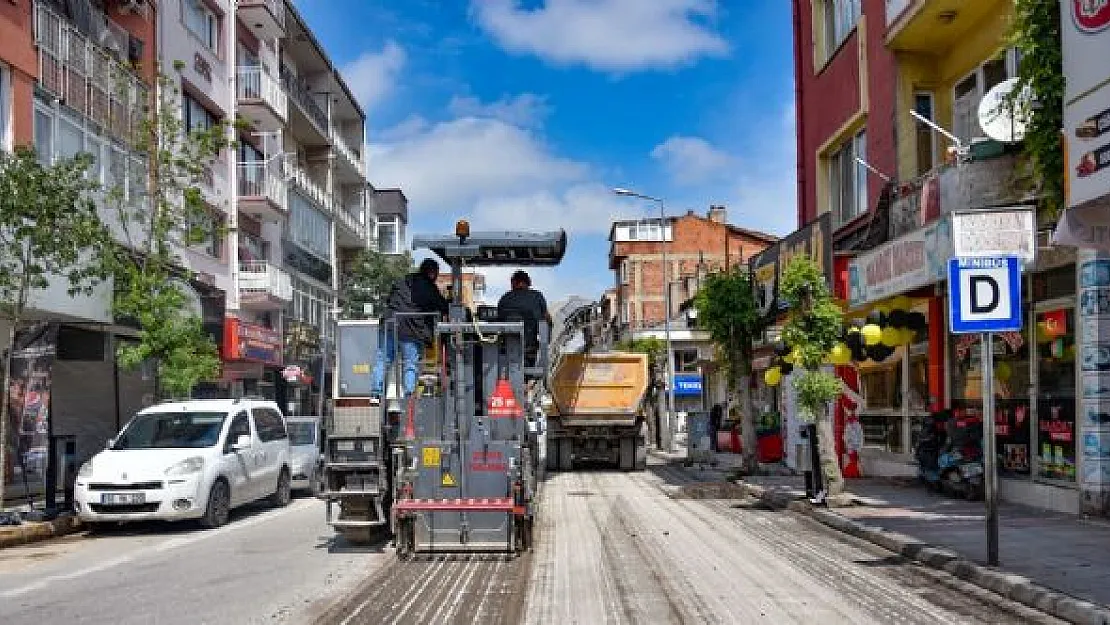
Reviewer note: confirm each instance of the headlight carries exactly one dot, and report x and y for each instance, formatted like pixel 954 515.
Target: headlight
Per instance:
pixel 86 469
pixel 186 466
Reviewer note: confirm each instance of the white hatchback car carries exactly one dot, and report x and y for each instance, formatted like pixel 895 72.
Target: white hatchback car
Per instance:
pixel 188 460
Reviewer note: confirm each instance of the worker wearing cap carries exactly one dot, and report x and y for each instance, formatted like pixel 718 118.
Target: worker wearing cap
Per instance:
pixel 524 303
pixel 415 293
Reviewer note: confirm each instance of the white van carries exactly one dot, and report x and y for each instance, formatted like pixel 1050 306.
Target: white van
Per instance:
pixel 188 460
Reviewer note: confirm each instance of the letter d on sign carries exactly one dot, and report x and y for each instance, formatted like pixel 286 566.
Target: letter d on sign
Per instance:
pixel 980 286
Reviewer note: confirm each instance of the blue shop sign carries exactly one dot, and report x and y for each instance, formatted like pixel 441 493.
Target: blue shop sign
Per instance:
pixel 687 385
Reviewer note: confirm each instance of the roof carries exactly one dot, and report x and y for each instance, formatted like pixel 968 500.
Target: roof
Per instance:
pixel 221 405
pixel 748 232
pixel 291 9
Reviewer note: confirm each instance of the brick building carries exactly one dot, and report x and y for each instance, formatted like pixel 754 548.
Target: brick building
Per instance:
pixel 696 245
pixel 473 287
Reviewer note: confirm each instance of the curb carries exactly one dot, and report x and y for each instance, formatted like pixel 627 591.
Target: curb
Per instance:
pixel 28 533
pixel 1009 585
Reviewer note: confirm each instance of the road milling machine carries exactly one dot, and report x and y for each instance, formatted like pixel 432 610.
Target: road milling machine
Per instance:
pixel 454 464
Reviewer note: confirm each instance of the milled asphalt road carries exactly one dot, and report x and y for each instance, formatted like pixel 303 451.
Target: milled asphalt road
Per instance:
pixel 266 566
pixel 668 545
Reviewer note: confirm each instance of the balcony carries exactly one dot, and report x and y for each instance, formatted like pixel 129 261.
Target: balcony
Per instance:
pixel 935 26
pixel 261 99
pixel 261 191
pixel 265 18
pixel 263 286
pixel 351 230
pixel 981 183
pixel 310 111
pixel 314 192
pixel 346 155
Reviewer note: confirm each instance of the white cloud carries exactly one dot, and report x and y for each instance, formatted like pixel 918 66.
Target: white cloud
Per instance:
pixel 525 109
pixel 454 163
pixel 373 75
pixel 605 35
pixel 765 196
pixel 693 160
pixel 580 209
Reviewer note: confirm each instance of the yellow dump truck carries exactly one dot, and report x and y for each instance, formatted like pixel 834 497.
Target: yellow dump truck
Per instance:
pixel 597 412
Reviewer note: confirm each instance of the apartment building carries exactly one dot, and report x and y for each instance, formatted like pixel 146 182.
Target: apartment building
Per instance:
pixel 473 288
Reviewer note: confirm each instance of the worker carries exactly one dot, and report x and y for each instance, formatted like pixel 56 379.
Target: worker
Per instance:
pixel 415 293
pixel 523 303
pixel 716 415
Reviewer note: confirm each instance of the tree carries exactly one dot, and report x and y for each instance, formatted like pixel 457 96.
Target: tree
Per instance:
pixel 656 351
pixel 37 205
pixel 727 308
pixel 812 330
pixel 1036 34
pixel 167 214
pixel 368 280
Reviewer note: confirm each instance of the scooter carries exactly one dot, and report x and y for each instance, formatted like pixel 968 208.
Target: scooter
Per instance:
pixel 929 449
pixel 960 465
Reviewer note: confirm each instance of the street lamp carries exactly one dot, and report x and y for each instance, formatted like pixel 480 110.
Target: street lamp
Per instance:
pixel 666 313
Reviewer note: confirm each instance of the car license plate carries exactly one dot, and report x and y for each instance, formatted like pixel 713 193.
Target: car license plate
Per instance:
pixel 122 499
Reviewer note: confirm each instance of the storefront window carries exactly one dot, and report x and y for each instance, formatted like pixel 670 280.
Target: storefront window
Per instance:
pixel 1011 391
pixel 1056 394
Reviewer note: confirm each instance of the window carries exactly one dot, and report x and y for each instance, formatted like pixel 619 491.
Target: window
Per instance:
pixel 309 227
pixel 923 104
pixel 202 22
pixel 211 241
pixel 240 426
pixel 686 361
pixel 1056 432
pixel 196 117
pixel 970 91
pixel 388 236
pixel 58 134
pixel 840 18
pixel 44 135
pixel 848 180
pixel 271 427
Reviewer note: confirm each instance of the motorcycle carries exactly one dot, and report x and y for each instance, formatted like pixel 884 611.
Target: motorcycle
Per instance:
pixel 930 448
pixel 960 465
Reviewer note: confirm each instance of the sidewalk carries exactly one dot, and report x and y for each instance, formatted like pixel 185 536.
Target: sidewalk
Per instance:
pixel 31 532
pixel 1061 552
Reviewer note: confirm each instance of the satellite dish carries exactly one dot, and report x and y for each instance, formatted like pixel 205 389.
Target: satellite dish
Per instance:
pixel 1002 120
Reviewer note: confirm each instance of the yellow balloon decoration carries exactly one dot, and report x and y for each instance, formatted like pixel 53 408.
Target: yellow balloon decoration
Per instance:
pixel 890 337
pixel 840 354
pixel 883 307
pixel 773 376
pixel 901 303
pixel 872 334
pixel 1002 371
pixel 908 335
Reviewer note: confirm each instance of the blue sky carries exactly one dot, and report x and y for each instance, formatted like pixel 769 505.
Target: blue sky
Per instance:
pixel 523 114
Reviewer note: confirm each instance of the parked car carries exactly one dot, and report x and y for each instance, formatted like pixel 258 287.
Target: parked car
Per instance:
pixel 306 452
pixel 188 460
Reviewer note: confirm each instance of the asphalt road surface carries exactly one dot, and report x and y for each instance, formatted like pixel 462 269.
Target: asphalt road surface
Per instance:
pixel 668 545
pixel 266 566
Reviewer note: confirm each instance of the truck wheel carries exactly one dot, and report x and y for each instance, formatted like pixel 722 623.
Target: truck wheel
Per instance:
pixel 553 454
pixel 641 455
pixel 626 458
pixel 566 455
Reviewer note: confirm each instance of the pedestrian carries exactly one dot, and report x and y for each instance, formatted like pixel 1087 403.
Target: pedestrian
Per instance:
pixel 415 293
pixel 716 413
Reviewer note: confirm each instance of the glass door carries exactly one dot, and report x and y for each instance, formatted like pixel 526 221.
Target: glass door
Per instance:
pixel 1055 435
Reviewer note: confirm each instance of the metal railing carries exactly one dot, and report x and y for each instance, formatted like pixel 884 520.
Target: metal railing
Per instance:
pixel 314 191
pixel 352 217
pixel 276 8
pixel 345 150
pixel 257 277
pixel 258 179
pixel 254 84
pixel 298 90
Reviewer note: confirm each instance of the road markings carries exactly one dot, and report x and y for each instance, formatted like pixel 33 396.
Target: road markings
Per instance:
pixel 173 543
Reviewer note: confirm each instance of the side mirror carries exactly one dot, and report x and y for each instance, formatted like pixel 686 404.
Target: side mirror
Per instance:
pixel 242 443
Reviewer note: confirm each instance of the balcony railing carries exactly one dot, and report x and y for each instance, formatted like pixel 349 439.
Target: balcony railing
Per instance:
pixel 345 150
pixel 258 179
pixel 84 67
pixel 352 217
pixel 261 278
pixel 299 91
pixel 255 84
pixel 308 187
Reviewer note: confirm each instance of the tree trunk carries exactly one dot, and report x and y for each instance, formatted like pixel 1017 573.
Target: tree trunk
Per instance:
pixel 4 416
pixel 826 444
pixel 747 425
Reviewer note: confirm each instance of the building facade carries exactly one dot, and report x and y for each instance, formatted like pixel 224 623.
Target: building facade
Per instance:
pixel 473 288
pixel 931 191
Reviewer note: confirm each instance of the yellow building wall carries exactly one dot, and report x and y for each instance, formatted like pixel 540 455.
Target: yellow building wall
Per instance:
pixel 939 72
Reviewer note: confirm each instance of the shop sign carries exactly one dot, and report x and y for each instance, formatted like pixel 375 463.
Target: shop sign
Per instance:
pixel 687 385
pixel 995 232
pixel 253 343
pixel 242 370
pixel 814 240
pixel 1086 46
pixel 914 260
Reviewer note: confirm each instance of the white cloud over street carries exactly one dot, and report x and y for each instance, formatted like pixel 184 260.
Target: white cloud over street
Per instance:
pixel 373 75
pixel 693 160
pixel 616 36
